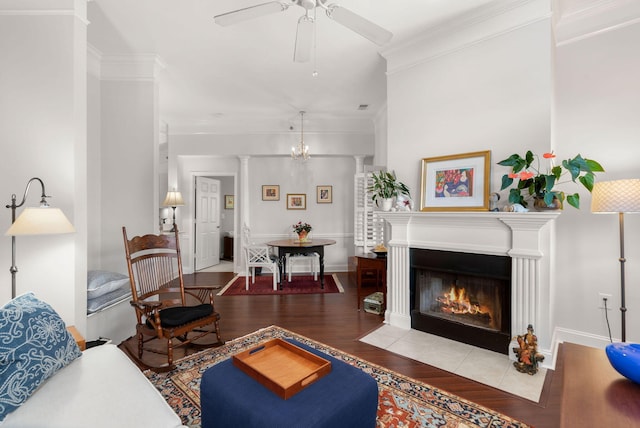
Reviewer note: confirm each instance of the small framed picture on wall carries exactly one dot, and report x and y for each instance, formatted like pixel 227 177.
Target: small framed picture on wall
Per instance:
pixel 296 201
pixel 270 192
pixel 228 202
pixel 324 194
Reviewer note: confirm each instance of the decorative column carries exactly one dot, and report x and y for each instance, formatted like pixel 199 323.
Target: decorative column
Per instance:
pixel 398 312
pixel 244 208
pixel 531 280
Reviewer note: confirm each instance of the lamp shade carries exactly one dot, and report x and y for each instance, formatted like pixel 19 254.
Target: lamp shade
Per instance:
pixel 173 199
pixel 40 221
pixel 618 196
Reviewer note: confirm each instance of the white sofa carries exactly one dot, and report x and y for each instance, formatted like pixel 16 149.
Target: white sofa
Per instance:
pixel 102 388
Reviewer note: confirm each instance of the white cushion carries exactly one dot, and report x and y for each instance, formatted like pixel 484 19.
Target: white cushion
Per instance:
pixel 100 282
pixel 102 389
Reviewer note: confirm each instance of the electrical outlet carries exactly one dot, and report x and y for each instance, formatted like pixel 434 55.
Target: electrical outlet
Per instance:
pixel 602 297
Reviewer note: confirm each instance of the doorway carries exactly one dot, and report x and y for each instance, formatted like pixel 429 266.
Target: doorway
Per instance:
pixel 214 223
pixel 207 223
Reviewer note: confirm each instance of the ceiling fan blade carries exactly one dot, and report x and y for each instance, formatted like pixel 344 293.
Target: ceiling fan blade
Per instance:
pixel 304 39
pixel 247 13
pixel 360 25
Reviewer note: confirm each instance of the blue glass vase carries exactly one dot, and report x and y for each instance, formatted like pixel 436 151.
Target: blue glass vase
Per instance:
pixel 625 358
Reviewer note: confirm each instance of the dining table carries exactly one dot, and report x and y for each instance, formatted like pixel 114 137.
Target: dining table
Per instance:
pixel 296 246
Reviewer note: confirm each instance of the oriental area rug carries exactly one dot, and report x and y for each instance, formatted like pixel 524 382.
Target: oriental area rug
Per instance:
pixel 402 401
pixel 300 284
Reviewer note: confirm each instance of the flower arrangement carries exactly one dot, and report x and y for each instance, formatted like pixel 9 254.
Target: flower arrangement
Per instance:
pixel 302 227
pixel 540 185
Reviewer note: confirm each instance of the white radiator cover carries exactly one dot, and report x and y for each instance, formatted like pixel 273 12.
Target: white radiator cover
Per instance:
pixel 528 238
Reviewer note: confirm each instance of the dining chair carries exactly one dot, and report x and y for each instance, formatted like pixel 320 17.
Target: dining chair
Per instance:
pixel 258 256
pixel 312 258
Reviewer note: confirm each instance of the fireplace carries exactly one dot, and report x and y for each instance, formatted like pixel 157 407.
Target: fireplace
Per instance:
pixel 462 296
pixel 524 240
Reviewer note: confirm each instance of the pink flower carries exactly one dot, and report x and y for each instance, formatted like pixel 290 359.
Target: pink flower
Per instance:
pixel 525 175
pixel 513 175
pixel 549 155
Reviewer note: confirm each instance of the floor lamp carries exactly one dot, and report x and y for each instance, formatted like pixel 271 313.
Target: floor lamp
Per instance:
pixel 619 196
pixel 173 200
pixel 42 220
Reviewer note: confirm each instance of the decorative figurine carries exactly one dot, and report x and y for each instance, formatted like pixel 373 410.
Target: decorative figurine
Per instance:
pixel 527 352
pixel 493 202
pixel 516 208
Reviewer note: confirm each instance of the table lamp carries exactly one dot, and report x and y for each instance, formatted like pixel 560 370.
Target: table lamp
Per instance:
pixel 42 220
pixel 173 200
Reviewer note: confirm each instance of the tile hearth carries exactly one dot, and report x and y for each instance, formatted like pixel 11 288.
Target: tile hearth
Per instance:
pixel 487 367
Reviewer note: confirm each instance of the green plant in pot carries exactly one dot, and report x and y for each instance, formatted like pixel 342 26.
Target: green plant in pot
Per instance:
pixel 540 185
pixel 385 187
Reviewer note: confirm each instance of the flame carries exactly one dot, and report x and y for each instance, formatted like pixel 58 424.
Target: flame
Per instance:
pixel 456 301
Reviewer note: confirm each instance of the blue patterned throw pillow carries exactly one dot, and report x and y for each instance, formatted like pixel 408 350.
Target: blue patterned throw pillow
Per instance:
pixel 34 345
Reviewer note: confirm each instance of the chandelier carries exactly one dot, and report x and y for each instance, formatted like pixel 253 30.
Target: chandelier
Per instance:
pixel 301 151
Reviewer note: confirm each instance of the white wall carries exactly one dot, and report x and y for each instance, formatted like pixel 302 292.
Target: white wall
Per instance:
pixel 506 88
pixel 43 134
pixel 597 110
pixel 129 158
pixel 94 173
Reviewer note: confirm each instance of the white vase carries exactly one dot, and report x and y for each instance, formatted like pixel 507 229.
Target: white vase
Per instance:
pixel 386 205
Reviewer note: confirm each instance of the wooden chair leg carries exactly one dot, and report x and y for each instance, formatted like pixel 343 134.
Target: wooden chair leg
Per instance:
pixel 217 326
pixel 170 352
pixel 140 345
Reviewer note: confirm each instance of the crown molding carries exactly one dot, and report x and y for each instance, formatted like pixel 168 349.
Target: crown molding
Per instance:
pixel 481 24
pixel 579 20
pixel 134 67
pixel 74 8
pixel 270 126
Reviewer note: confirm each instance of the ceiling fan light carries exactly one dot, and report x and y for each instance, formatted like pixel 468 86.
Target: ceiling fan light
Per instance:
pixel 308 4
pixel 247 13
pixel 304 39
pixel 360 25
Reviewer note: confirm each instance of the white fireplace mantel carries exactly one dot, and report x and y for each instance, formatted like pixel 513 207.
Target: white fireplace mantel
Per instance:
pixel 525 237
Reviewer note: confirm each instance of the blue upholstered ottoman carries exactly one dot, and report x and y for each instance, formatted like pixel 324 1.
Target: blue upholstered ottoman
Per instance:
pixel 346 397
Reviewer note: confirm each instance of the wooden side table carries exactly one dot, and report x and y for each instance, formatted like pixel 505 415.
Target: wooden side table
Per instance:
pixel 82 344
pixel 371 276
pixel 594 394
pixel 228 248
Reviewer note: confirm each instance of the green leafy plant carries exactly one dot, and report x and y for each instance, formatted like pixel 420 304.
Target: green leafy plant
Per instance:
pixel 540 184
pixel 386 185
pixel 300 226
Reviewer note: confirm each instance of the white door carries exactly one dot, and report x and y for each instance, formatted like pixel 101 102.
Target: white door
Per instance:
pixel 207 227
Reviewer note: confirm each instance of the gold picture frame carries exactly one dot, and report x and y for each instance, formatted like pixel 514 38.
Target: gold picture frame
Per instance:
pixel 228 202
pixel 324 194
pixel 456 182
pixel 296 201
pixel 270 192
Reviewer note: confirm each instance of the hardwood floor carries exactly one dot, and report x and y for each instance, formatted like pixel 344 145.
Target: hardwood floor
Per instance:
pixel 334 319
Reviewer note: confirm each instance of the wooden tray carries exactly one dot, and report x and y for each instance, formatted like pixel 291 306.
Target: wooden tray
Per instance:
pixel 283 368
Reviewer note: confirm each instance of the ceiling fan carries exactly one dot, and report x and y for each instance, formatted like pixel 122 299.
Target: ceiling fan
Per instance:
pixel 304 32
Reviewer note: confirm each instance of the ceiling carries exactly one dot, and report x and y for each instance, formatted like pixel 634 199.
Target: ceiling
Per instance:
pixel 243 76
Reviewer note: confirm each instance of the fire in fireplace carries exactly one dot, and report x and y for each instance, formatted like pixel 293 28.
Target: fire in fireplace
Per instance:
pixel 461 296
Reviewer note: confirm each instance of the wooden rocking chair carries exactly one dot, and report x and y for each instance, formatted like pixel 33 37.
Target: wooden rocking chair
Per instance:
pixel 165 308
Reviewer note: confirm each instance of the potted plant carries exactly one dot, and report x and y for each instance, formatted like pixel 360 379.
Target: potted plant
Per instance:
pixel 385 187
pixel 540 185
pixel 302 229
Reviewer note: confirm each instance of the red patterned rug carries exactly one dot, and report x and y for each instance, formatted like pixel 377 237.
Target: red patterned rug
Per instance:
pixel 300 284
pixel 402 401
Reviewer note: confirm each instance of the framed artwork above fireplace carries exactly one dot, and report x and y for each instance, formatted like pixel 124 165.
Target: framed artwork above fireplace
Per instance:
pixel 456 182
